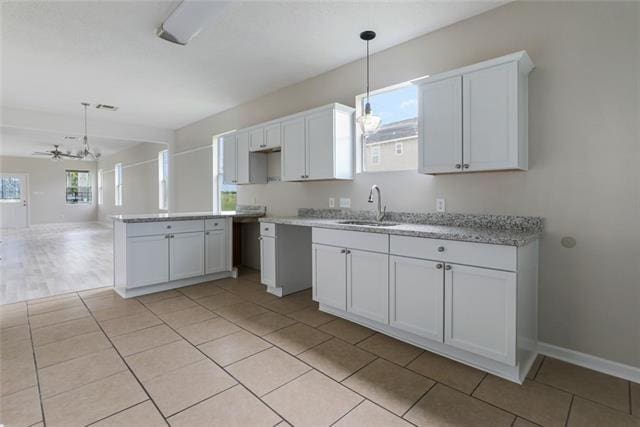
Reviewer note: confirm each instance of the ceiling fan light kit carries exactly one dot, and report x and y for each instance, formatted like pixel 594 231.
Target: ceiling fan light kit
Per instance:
pixel 85 152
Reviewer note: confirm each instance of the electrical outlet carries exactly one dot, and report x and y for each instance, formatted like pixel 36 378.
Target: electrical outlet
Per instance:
pixel 332 202
pixel 440 205
pixel 345 202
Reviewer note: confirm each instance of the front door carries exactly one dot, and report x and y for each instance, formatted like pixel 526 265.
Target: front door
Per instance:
pixel 14 203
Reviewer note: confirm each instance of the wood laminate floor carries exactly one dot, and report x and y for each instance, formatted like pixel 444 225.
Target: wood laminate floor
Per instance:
pixel 52 259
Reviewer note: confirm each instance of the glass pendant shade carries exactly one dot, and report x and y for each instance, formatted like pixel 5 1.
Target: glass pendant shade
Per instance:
pixel 368 122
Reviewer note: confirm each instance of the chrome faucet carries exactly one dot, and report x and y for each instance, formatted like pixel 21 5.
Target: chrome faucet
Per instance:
pixel 380 213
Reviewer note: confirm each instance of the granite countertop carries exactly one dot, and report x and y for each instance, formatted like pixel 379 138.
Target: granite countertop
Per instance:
pixel 497 230
pixel 241 212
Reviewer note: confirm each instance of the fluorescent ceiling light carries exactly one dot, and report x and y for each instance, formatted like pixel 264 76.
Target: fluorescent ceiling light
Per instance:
pixel 188 19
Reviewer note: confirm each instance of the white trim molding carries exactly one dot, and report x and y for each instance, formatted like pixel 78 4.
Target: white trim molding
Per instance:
pixel 588 361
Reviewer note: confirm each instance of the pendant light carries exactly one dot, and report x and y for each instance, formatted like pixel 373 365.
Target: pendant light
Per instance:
pixel 86 152
pixel 368 122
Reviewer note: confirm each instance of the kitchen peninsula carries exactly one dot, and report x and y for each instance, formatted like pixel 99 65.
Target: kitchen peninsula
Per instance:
pixel 157 252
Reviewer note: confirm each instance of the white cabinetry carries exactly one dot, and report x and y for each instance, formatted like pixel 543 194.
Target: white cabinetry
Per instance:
pixel 368 284
pixel 147 260
pixel 239 165
pixel 215 246
pixel 318 144
pixel 416 293
pixel 268 260
pixel 186 255
pixel 480 311
pixel 475 118
pixel 471 301
pixel 265 137
pixel 154 256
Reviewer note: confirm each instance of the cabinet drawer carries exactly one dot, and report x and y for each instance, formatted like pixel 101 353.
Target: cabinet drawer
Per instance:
pixel 374 242
pixel 480 254
pixel 163 227
pixel 267 229
pixel 214 224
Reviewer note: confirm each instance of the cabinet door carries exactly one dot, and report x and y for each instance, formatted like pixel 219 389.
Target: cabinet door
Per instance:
pixel 416 292
pixel 186 255
pixel 491 118
pixel 368 285
pixel 320 159
pixel 256 139
pixel 480 312
pixel 268 260
pixel 272 136
pixel 293 150
pixel 440 126
pixel 329 266
pixel 147 260
pixel 215 250
pixel 229 159
pixel 242 158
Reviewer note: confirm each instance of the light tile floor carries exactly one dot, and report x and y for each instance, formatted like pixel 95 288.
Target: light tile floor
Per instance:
pixel 51 259
pixel 227 353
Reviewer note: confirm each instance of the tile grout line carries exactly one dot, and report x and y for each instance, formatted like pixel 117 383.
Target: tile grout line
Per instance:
pixel 478 385
pixel 419 399
pixel 35 365
pixel 121 411
pixel 566 420
pixel 127 365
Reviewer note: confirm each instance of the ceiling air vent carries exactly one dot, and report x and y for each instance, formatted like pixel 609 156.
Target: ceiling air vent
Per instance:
pixel 106 107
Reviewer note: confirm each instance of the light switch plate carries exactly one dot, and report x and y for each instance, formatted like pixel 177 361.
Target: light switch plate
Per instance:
pixel 332 202
pixel 440 205
pixel 345 202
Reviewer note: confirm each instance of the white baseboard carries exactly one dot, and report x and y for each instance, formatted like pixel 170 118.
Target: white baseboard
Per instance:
pixel 595 363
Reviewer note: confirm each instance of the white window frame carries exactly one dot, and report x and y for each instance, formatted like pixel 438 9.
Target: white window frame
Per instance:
pixel 117 184
pixel 100 186
pixel 376 155
pixel 218 170
pixel 395 148
pixel 163 181
pixel 360 102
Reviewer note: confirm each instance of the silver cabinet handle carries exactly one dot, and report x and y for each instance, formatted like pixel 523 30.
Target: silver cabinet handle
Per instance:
pixel 301 176
pixel 448 267
pixel 166 236
pixel 458 166
pixel 466 166
pixel 439 266
pixel 215 223
pixel 266 229
pixel 207 233
pixel 440 248
pixel 348 251
pixel 172 236
pixel 343 251
pixel 260 238
pixel 168 226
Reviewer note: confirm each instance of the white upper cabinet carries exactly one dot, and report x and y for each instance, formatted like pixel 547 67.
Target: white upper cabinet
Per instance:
pixel 256 139
pixel 318 144
pixel 440 104
pixel 293 149
pixel 272 136
pixel 240 166
pixel 475 118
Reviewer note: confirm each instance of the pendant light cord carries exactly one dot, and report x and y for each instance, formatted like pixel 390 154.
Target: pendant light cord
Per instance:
pixel 367 71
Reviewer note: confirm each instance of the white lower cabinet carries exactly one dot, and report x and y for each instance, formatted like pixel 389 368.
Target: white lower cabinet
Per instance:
pixel 186 255
pixel 147 258
pixel 329 266
pixel 416 293
pixel 428 292
pixel 480 311
pixel 368 284
pixel 268 260
pixel 215 251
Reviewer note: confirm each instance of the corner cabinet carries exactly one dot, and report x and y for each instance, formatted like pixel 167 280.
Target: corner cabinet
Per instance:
pixel 240 166
pixel 475 118
pixel 318 144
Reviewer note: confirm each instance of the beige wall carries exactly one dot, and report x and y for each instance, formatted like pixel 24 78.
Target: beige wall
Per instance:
pixel 139 177
pixel 584 156
pixel 47 186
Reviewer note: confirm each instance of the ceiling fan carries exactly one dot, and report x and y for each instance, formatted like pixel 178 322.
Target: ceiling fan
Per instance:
pixel 56 154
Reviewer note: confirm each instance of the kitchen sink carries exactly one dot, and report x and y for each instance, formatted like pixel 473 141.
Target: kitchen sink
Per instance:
pixel 369 223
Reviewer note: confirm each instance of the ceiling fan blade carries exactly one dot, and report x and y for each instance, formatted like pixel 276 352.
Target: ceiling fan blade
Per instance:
pixel 71 156
pixel 40 153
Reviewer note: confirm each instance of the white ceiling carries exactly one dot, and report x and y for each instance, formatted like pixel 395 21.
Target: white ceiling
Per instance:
pixel 23 142
pixel 57 54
